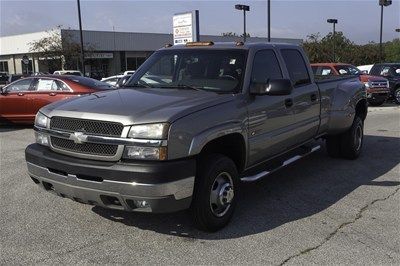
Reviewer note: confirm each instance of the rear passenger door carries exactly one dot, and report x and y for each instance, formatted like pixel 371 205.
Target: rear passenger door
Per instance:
pixel 269 118
pixel 305 95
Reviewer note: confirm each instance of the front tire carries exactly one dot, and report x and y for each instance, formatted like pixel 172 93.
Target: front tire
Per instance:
pixel 396 95
pixel 215 193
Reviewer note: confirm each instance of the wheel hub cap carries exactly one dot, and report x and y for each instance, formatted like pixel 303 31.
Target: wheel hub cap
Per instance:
pixel 222 194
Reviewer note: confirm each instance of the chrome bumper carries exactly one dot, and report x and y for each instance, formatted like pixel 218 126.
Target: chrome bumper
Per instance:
pixel 130 196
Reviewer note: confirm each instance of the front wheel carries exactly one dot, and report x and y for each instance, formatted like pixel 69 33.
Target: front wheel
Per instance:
pixel 215 193
pixel 397 96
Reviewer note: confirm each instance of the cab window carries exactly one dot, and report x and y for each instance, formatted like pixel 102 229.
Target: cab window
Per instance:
pixel 265 67
pixel 296 67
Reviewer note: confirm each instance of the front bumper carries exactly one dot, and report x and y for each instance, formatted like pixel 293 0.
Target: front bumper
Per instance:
pixel 134 186
pixel 377 94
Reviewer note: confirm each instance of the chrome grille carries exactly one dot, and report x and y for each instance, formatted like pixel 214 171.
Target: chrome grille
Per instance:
pixel 86 148
pixel 379 84
pixel 91 127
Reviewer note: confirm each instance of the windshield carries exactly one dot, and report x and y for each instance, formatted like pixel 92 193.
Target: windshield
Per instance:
pixel 348 70
pixel 220 71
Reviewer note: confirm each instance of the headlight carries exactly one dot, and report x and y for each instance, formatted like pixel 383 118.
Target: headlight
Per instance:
pixel 41 120
pixel 149 131
pixel 42 139
pixel 367 84
pixel 145 153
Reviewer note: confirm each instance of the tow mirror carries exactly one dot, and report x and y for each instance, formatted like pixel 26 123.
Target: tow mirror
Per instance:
pixel 274 87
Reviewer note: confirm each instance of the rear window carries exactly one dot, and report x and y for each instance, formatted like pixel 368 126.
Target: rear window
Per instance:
pixel 296 66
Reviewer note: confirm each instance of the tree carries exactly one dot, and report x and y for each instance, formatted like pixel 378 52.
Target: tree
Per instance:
pixel 392 51
pixel 58 51
pixel 234 34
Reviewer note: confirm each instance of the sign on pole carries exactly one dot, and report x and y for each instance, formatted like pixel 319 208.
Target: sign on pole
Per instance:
pixel 186 27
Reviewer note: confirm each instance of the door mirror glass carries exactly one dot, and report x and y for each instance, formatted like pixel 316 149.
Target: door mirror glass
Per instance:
pixel 273 87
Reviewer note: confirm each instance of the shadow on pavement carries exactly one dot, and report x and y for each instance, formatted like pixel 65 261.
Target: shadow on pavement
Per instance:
pixel 301 190
pixel 8 127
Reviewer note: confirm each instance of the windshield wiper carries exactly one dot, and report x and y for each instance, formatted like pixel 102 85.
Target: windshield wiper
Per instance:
pixel 136 85
pixel 182 86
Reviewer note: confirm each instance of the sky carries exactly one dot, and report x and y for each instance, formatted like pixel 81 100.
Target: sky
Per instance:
pixel 358 19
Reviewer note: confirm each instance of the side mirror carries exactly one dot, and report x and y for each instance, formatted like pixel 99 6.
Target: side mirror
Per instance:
pixel 3 90
pixel 274 87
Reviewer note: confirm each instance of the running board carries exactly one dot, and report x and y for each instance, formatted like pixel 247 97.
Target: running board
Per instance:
pixel 284 164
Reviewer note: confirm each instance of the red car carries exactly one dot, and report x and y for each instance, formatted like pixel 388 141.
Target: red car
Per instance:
pixel 377 87
pixel 22 99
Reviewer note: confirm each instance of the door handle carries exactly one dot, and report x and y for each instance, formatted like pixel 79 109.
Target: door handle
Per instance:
pixel 20 94
pixel 313 97
pixel 52 94
pixel 289 102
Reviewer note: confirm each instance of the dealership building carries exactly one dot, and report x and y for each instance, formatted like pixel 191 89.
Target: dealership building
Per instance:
pixel 110 52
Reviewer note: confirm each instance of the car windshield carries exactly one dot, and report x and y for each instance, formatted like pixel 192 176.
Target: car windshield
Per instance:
pixel 220 71
pixel 348 70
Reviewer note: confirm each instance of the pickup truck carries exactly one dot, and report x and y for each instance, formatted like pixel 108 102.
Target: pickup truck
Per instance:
pixel 391 71
pixel 192 124
pixel 377 87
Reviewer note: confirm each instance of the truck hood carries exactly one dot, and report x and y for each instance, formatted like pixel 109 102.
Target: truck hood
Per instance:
pixel 137 106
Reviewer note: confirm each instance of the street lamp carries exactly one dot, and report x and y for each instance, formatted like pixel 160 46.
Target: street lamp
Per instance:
pixel 244 8
pixel 334 22
pixel 382 3
pixel 81 35
pixel 269 20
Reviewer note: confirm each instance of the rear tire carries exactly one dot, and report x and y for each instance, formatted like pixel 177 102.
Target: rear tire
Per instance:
pixel 352 140
pixel 215 193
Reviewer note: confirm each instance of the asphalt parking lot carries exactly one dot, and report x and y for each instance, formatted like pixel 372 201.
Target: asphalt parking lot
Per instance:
pixel 317 211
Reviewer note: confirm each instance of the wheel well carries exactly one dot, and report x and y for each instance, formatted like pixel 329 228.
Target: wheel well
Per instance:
pixel 361 109
pixel 232 146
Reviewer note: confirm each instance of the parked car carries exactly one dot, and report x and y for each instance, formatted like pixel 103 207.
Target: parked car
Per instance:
pixel 21 100
pixel 377 87
pixel 68 72
pixel 391 71
pixel 365 69
pixel 112 80
pixel 14 77
pixel 219 115
pixel 3 78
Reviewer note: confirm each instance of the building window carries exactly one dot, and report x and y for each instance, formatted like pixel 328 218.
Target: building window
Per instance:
pixel 133 63
pixel 27 69
pixel 3 66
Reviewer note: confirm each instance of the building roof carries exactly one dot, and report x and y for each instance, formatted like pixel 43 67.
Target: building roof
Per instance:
pixel 116 41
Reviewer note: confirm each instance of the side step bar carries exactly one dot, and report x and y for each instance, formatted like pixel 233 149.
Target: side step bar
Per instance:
pixel 284 164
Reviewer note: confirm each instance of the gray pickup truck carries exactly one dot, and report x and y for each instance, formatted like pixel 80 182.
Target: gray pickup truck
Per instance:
pixel 191 125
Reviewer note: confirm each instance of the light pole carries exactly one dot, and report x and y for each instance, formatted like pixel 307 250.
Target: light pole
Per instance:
pixel 397 30
pixel 334 22
pixel 382 3
pixel 244 8
pixel 269 20
pixel 81 35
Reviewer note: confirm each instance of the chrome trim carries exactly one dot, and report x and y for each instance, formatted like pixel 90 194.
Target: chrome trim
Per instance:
pixel 72 186
pixel 284 164
pixel 102 139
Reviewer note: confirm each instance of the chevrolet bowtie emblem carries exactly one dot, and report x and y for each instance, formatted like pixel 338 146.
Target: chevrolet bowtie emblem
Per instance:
pixel 78 137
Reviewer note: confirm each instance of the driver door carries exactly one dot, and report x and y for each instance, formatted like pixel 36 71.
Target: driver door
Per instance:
pixel 14 101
